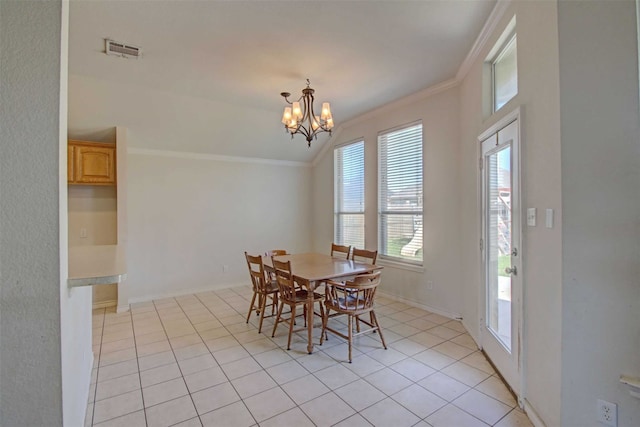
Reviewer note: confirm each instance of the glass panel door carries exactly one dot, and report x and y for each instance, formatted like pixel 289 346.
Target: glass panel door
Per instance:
pixel 501 313
pixel 499 234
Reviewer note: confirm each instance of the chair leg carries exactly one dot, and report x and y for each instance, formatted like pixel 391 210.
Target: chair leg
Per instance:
pixel 375 322
pixel 350 335
pixel 262 309
pixel 304 314
pixel 293 316
pixel 322 314
pixel 277 319
pixel 274 302
pixel 323 334
pixel 253 300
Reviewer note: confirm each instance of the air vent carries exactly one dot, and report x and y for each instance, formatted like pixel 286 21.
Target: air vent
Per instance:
pixel 121 49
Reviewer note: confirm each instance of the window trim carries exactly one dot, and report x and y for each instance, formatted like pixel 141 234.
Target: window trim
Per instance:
pixel 336 212
pixel 502 51
pixel 385 259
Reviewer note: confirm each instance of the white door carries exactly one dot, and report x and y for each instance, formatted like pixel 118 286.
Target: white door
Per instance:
pixel 501 308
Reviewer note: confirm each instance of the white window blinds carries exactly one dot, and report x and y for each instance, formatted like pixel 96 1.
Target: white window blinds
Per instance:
pixel 349 194
pixel 400 194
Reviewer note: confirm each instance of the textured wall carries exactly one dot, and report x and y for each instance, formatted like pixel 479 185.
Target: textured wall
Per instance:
pixel 30 373
pixel 601 205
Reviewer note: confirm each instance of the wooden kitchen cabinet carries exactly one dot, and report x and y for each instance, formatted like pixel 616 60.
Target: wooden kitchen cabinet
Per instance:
pixel 91 163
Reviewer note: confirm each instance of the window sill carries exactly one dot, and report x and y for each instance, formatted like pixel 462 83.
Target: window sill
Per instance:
pixel 401 265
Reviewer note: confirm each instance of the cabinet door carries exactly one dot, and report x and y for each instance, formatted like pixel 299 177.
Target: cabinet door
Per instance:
pixel 95 165
pixel 70 165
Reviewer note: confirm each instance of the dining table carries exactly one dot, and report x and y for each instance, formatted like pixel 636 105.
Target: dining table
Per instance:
pixel 311 269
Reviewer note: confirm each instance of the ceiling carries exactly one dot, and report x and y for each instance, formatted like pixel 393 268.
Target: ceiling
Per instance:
pixel 212 71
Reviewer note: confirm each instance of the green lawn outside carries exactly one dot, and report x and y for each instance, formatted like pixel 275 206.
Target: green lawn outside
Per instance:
pixel 504 261
pixel 395 246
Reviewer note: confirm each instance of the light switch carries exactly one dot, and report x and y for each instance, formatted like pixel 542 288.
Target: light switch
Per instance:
pixel 531 217
pixel 83 233
pixel 549 219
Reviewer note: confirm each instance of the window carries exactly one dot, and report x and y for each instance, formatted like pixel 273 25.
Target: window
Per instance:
pixel 400 194
pixel 505 74
pixel 348 226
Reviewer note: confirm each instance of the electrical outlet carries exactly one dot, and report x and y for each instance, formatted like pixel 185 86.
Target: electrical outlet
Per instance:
pixel 430 285
pixel 607 413
pixel 83 233
pixel 225 268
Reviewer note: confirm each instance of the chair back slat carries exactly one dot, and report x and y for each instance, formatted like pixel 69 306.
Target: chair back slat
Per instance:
pixel 364 255
pixel 284 277
pixel 340 250
pixel 257 272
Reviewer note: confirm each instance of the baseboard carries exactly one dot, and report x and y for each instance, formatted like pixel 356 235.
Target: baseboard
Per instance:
pixel 105 304
pixel 533 416
pixel 180 293
pixel 436 310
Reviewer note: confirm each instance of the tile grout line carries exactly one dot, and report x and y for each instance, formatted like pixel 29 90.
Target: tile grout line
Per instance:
pixel 133 328
pixel 178 363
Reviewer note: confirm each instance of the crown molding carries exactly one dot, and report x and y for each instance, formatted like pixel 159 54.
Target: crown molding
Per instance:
pixel 335 134
pixel 487 30
pixel 407 100
pixel 214 157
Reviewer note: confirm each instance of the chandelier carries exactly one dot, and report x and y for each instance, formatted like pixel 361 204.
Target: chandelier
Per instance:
pixel 300 118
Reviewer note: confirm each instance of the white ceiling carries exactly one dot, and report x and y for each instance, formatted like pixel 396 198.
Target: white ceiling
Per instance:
pixel 237 56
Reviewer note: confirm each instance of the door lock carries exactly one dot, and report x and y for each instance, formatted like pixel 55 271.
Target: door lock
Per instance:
pixel 511 270
pixel 514 252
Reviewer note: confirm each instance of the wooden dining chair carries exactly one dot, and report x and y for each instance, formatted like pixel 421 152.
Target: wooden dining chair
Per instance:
pixel 370 257
pixel 364 255
pixel 292 296
pixel 340 250
pixel 353 299
pixel 263 288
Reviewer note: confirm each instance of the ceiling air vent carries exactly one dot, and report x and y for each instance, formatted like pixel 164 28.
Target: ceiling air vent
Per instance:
pixel 121 49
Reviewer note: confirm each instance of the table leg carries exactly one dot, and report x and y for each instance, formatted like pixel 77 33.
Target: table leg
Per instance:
pixel 310 317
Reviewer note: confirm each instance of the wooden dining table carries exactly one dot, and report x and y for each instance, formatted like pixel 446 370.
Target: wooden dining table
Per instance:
pixel 311 269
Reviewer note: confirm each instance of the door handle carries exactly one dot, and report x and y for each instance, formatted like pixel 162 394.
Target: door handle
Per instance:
pixel 511 270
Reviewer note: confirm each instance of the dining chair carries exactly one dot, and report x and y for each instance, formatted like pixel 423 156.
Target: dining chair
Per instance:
pixel 340 250
pixel 370 257
pixel 263 288
pixel 364 255
pixel 353 299
pixel 292 296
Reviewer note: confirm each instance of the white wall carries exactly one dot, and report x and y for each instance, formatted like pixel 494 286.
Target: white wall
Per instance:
pixel 45 332
pixel 190 215
pixel 538 97
pixel 440 118
pixel 93 208
pixel 601 206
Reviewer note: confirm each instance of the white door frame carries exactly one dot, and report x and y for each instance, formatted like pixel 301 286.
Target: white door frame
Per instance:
pixel 515 114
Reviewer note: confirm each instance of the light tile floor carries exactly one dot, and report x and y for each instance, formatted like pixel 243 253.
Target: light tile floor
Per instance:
pixel 193 361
